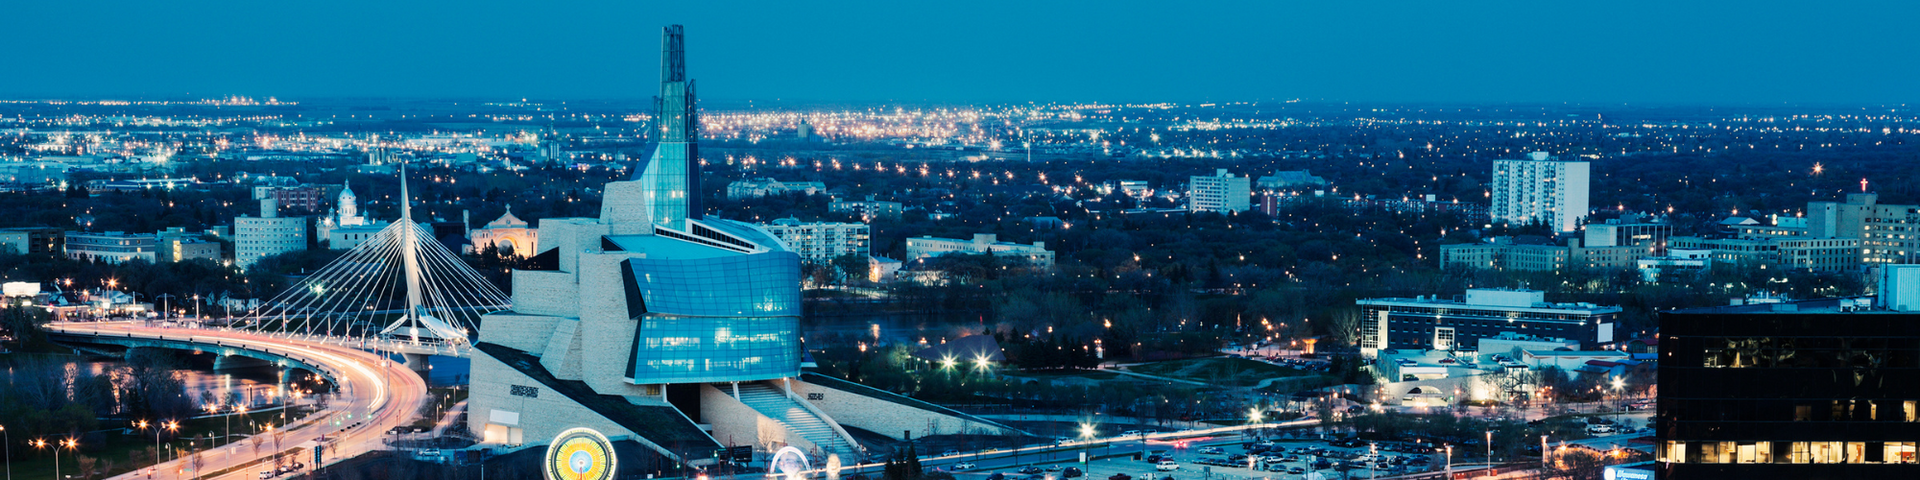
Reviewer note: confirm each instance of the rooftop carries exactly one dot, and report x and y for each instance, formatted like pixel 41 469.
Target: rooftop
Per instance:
pixel 1862 304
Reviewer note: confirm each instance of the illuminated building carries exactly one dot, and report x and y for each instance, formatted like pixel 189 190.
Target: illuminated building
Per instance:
pixel 1035 255
pixel 1540 189
pixel 269 234
pixel 667 327
pixel 1428 322
pixel 1826 388
pixel 1221 192
pixel 109 247
pixel 821 242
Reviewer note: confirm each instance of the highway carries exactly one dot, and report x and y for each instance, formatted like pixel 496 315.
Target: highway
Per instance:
pixel 373 396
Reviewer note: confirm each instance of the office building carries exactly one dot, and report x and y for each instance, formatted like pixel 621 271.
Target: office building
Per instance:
pixel 867 210
pixel 1035 255
pixel 34 240
pixel 675 330
pixel 269 234
pixel 1627 232
pixel 761 187
pixel 109 247
pixel 1534 255
pixel 1221 192
pixel 1888 233
pixel 1826 388
pixel 1427 322
pixel 1290 179
pixel 821 242
pixel 1540 189
pixel 304 199
pixel 1799 253
pixel 176 245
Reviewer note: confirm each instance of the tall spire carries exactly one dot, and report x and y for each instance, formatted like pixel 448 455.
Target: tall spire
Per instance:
pixel 410 259
pixel 672 175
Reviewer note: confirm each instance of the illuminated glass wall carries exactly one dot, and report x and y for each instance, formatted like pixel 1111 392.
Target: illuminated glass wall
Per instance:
pixel 732 318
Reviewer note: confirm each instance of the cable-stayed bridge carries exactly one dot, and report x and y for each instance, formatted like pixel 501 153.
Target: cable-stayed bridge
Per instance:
pixel 400 291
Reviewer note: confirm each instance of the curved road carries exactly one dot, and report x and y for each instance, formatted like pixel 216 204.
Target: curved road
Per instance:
pixel 369 387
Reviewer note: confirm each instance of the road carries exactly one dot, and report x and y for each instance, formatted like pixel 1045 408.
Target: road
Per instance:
pixel 374 395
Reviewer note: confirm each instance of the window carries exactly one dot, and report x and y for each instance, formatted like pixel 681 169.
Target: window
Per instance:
pixel 1899 452
pixel 1803 413
pixel 1826 452
pixel 1748 453
pixel 1856 452
pixel 1911 407
pixel 1802 452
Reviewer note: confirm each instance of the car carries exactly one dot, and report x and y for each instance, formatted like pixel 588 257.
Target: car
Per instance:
pixel 1296 470
pixel 1599 429
pixel 1053 468
pixel 997 476
pixel 1072 472
pixel 950 452
pixel 1166 466
pixel 1030 470
pixel 963 466
pixel 1212 451
pixel 268 474
pixel 1120 476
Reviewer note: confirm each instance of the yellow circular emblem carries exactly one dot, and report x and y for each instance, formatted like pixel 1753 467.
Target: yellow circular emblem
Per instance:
pixel 579 454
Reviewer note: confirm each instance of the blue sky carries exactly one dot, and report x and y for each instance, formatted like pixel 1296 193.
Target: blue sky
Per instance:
pixel 1754 52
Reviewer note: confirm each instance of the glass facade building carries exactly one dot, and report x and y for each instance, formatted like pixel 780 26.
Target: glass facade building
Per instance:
pixel 720 318
pixel 1804 390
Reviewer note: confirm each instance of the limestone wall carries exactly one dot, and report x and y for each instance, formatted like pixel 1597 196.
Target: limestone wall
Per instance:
pixel 605 325
pixel 884 417
pixel 735 423
pixel 561 354
pixel 527 333
pixel 547 293
pixel 541 416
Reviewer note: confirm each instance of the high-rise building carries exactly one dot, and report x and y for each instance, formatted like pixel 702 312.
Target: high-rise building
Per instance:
pixel 269 234
pixel 39 240
pixel 667 327
pixel 1540 189
pixel 821 242
pixel 1431 323
pixel 1221 192
pixel 1774 389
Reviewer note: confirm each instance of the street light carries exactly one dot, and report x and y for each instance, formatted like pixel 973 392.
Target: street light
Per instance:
pixel 1449 462
pixel 1489 453
pixel 1543 454
pixel 8 438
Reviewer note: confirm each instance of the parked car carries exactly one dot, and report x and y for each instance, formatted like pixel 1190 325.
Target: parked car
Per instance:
pixel 963 466
pixel 1029 470
pixel 1053 468
pixel 1072 472
pixel 1166 466
pixel 1120 476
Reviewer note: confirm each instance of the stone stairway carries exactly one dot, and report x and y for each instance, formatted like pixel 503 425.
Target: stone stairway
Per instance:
pixel 770 401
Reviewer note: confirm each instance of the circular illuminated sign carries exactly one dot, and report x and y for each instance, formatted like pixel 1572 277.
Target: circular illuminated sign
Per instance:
pixel 579 454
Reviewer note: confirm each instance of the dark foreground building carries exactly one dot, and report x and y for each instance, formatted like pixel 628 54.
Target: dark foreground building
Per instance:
pixel 1817 389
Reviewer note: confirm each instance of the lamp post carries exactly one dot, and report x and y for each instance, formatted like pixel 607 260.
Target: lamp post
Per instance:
pixel 1543 454
pixel 1086 437
pixel 1449 462
pixel 1489 453
pixel 8 438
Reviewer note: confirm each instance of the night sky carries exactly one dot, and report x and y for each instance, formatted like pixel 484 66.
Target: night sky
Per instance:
pixel 1747 52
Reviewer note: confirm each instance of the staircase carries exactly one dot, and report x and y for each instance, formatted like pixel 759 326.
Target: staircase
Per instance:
pixel 774 404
